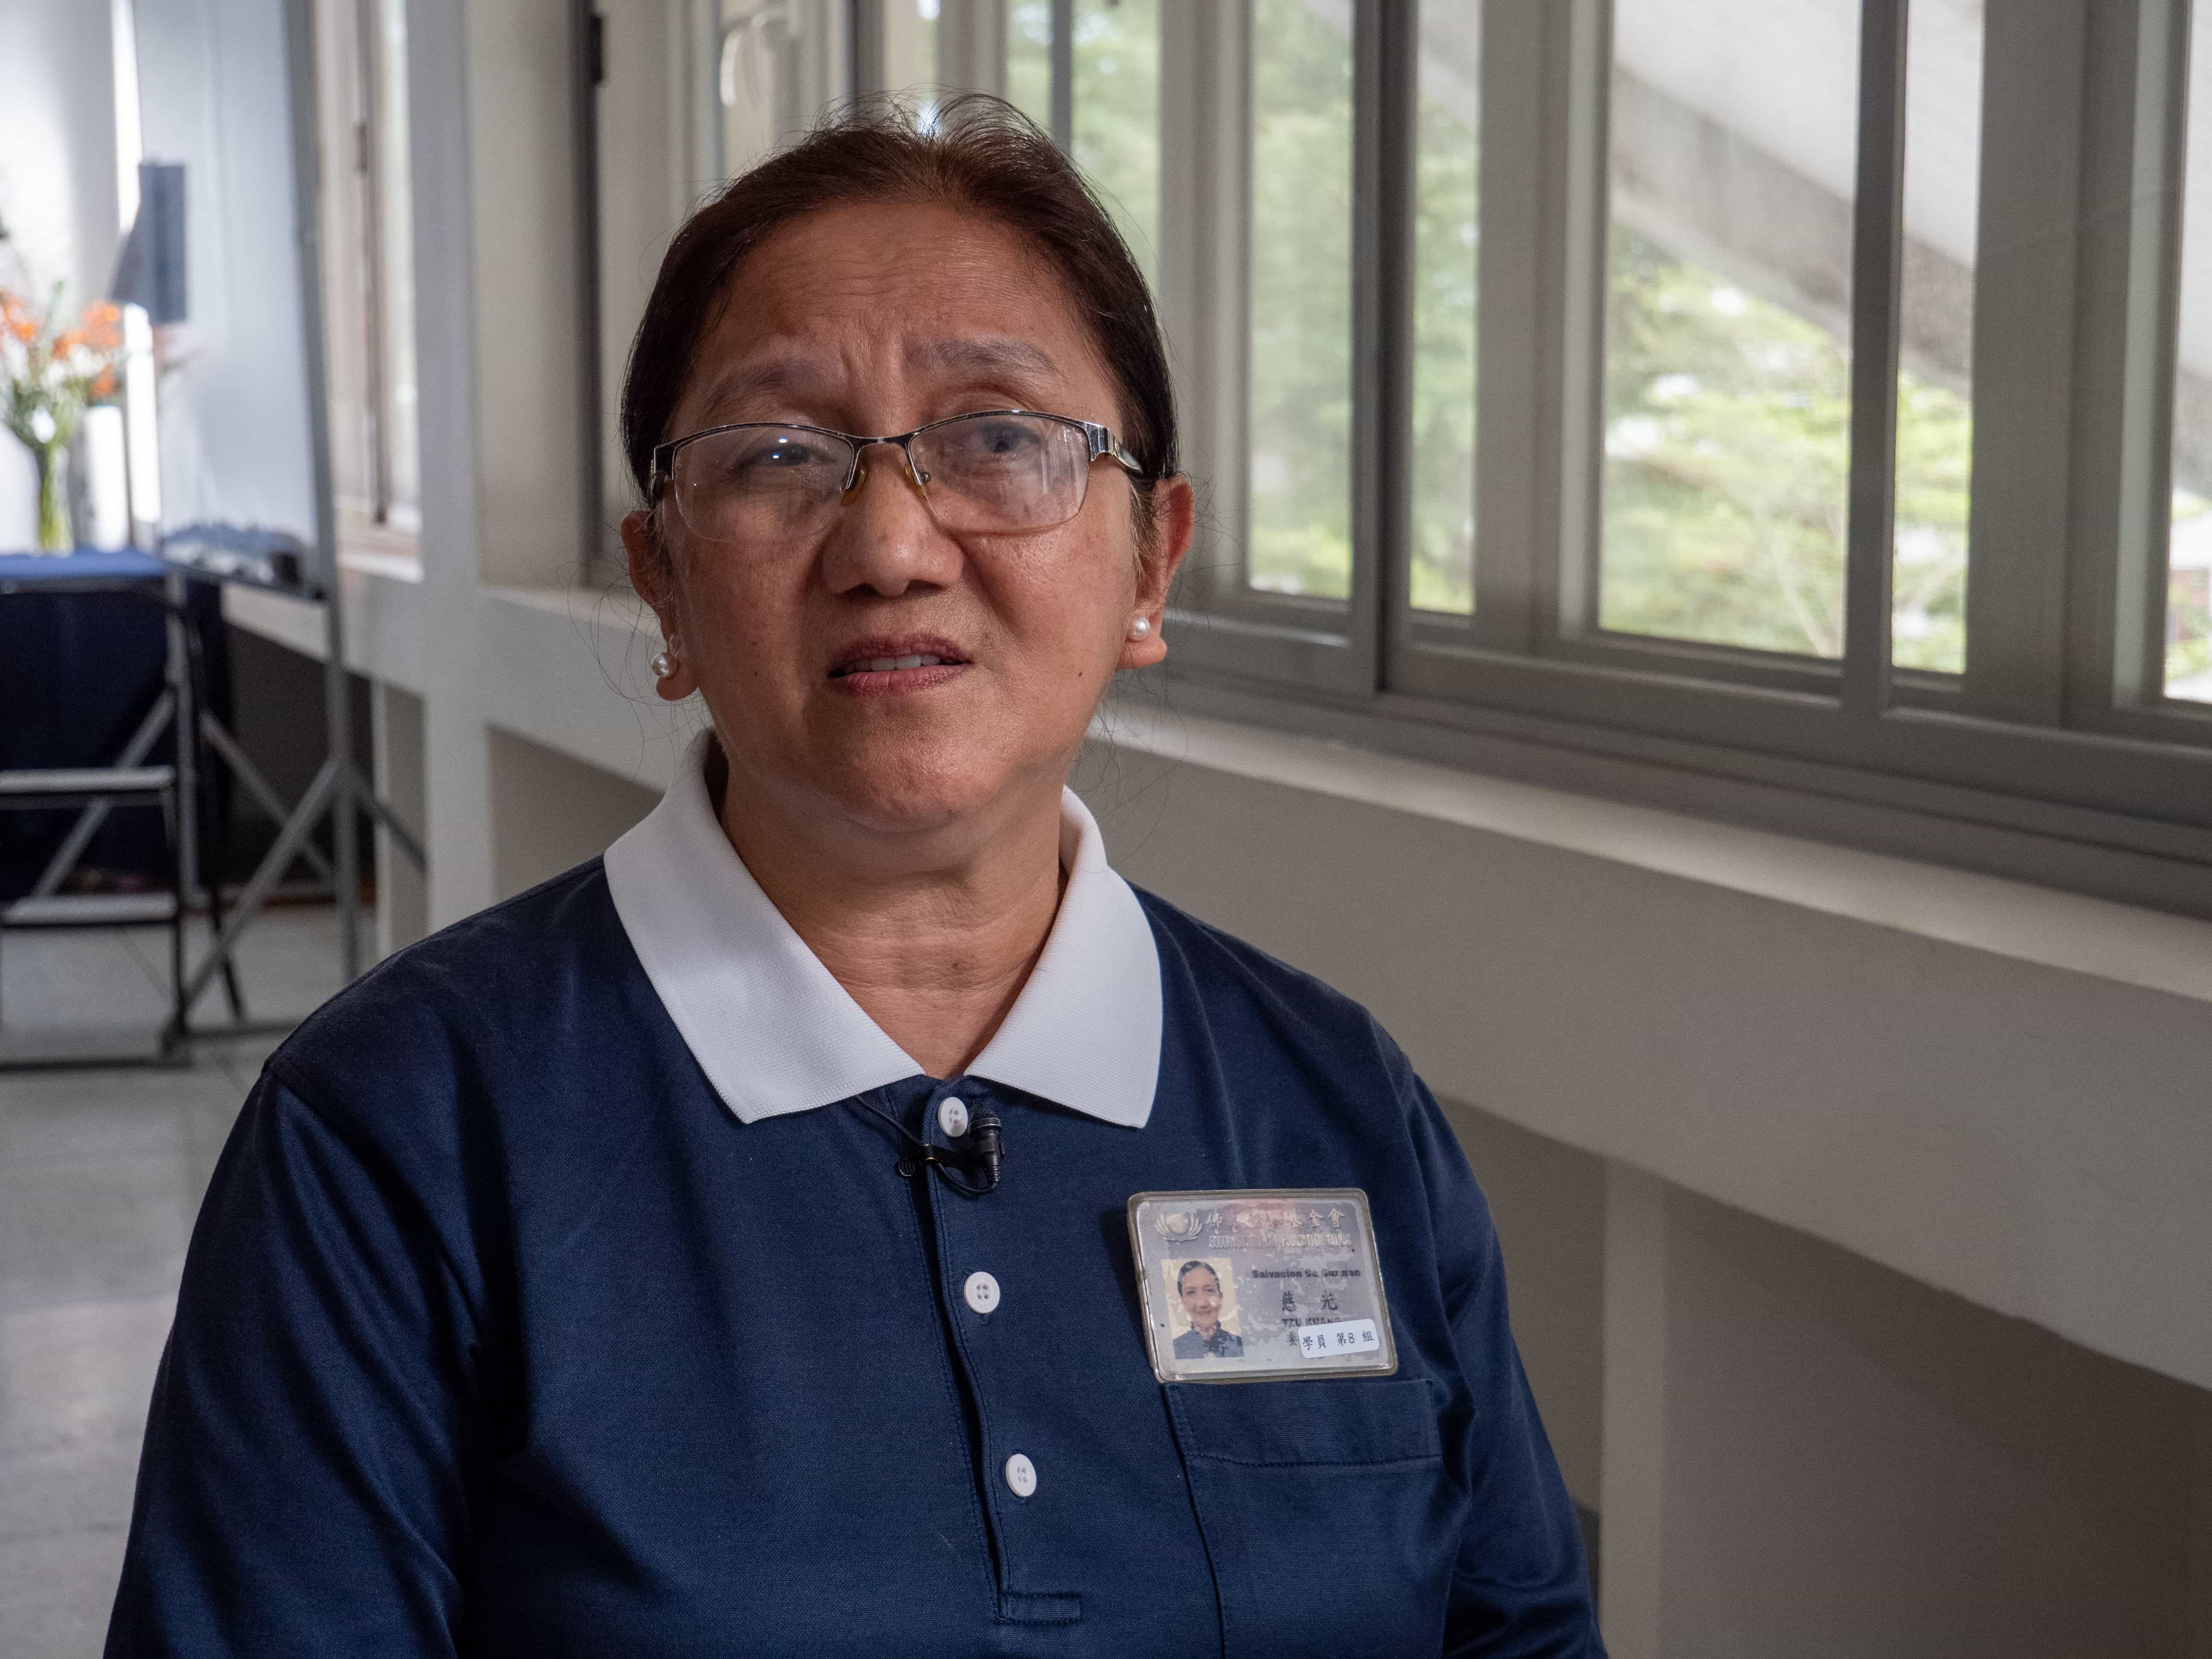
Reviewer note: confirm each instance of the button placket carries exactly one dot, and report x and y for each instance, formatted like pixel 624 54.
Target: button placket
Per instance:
pixel 971 1232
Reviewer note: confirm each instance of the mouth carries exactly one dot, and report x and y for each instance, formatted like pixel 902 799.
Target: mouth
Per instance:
pixel 912 662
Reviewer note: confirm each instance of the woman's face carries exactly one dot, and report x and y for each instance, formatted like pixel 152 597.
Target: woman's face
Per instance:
pixel 1201 1300
pixel 879 319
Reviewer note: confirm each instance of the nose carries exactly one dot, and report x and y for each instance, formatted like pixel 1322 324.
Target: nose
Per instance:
pixel 884 540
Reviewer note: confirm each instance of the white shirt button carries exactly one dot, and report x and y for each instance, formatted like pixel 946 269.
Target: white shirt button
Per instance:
pixel 1021 1475
pixel 982 1291
pixel 952 1117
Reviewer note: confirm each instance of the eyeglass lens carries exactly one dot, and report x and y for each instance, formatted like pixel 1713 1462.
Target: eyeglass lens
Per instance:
pixel 981 473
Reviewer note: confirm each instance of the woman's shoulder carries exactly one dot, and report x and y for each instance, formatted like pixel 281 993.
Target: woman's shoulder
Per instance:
pixel 1235 980
pixel 491 989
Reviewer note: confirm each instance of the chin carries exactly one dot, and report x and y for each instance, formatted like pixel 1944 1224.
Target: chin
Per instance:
pixel 913 790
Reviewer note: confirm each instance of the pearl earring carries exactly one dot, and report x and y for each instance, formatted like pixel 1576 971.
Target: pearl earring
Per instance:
pixel 662 665
pixel 1141 628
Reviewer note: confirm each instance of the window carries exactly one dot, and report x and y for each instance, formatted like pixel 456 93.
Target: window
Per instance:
pixel 910 46
pixel 1107 118
pixel 1764 406
pixel 1791 410
pixel 1030 72
pixel 1299 533
pixel 1447 238
pixel 1935 332
pixel 1728 398
pixel 778 63
pixel 2188 634
pixel 368 265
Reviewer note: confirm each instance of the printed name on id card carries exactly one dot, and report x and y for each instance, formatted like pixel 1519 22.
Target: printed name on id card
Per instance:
pixel 1247 1286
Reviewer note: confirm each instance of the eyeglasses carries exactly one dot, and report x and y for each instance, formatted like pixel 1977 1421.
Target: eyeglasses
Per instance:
pixel 997 471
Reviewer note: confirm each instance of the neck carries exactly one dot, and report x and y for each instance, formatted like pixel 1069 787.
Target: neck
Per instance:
pixel 933 934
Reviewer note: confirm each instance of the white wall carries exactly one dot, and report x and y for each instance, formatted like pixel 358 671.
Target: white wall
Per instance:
pixel 1548 1203
pixel 553 812
pixel 1853 1463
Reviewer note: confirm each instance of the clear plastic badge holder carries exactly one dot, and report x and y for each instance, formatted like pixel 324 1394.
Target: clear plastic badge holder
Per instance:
pixel 1261 1286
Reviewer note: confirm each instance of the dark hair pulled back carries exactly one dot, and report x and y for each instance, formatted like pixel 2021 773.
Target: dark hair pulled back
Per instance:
pixel 979 155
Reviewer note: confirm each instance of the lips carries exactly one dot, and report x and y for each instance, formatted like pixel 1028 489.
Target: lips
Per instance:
pixel 906 662
pixel 886 665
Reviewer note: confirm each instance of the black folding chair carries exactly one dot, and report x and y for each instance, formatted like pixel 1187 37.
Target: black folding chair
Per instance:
pixel 101 789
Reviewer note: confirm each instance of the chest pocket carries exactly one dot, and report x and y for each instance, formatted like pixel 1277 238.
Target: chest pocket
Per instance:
pixel 1326 1512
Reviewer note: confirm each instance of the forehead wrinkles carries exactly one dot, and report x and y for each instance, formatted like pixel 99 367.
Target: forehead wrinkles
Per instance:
pixel 799 367
pixel 833 300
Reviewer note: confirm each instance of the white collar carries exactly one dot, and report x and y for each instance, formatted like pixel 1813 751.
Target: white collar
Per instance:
pixel 774 1031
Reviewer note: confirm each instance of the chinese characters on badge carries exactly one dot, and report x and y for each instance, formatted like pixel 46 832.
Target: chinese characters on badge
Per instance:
pixel 1244 1286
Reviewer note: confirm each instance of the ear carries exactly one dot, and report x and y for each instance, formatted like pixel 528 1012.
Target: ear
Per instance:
pixel 654 579
pixel 1175 512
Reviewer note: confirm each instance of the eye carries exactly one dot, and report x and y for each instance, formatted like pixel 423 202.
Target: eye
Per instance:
pixel 768 456
pixel 783 451
pixel 996 441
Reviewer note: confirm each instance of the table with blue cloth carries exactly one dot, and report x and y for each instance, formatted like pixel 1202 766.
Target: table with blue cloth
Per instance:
pixel 83 656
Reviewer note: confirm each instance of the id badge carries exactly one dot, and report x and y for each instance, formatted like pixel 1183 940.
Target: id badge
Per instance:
pixel 1261 1286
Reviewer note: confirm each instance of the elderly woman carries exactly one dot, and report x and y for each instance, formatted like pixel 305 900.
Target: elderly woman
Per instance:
pixel 721 1249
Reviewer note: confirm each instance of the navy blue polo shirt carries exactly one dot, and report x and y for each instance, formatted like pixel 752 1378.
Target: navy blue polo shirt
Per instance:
pixel 503 1332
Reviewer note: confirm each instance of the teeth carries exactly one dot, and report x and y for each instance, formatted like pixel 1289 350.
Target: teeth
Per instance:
pixel 886 665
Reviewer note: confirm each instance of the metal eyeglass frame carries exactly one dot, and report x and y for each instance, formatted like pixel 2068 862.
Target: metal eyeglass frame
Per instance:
pixel 1101 439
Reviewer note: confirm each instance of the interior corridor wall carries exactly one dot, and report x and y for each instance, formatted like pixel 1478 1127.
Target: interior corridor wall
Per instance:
pixel 1851 1462
pixel 550 812
pixel 1547 1201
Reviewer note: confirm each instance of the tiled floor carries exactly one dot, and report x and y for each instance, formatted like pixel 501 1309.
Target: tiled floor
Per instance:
pixel 101 1174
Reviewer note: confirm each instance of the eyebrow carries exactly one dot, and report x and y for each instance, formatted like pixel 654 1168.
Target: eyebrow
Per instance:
pixel 740 385
pixel 997 353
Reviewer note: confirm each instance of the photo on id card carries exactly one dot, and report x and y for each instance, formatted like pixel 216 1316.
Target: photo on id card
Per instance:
pixel 1261 1286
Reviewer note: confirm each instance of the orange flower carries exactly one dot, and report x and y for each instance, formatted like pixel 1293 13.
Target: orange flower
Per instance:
pixel 102 326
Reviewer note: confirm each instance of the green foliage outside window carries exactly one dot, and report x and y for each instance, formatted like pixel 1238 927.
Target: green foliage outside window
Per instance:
pixel 1029 59
pixel 1301 341
pixel 1447 237
pixel 1727 417
pixel 1117 116
pixel 1728 448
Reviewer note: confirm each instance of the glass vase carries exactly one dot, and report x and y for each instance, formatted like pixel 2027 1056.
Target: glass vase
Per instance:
pixel 56 534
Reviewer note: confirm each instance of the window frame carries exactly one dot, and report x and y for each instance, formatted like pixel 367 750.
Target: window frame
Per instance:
pixel 359 270
pixel 2055 755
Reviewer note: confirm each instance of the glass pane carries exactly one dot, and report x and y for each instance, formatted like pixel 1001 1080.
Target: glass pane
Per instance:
pixel 910 49
pixel 403 488
pixel 1728 367
pixel 345 103
pixel 778 66
pixel 1300 411
pixel 2189 602
pixel 1935 378
pixel 1444 249
pixel 1117 114
pixel 1029 59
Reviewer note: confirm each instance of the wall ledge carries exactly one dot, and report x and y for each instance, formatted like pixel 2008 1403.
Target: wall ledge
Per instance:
pixel 2121 942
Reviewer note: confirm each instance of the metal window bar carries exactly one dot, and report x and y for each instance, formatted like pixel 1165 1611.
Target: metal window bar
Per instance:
pixel 1063 75
pixel 1877 250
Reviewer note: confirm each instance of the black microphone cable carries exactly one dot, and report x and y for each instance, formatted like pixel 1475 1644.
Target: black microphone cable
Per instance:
pixel 984 1131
